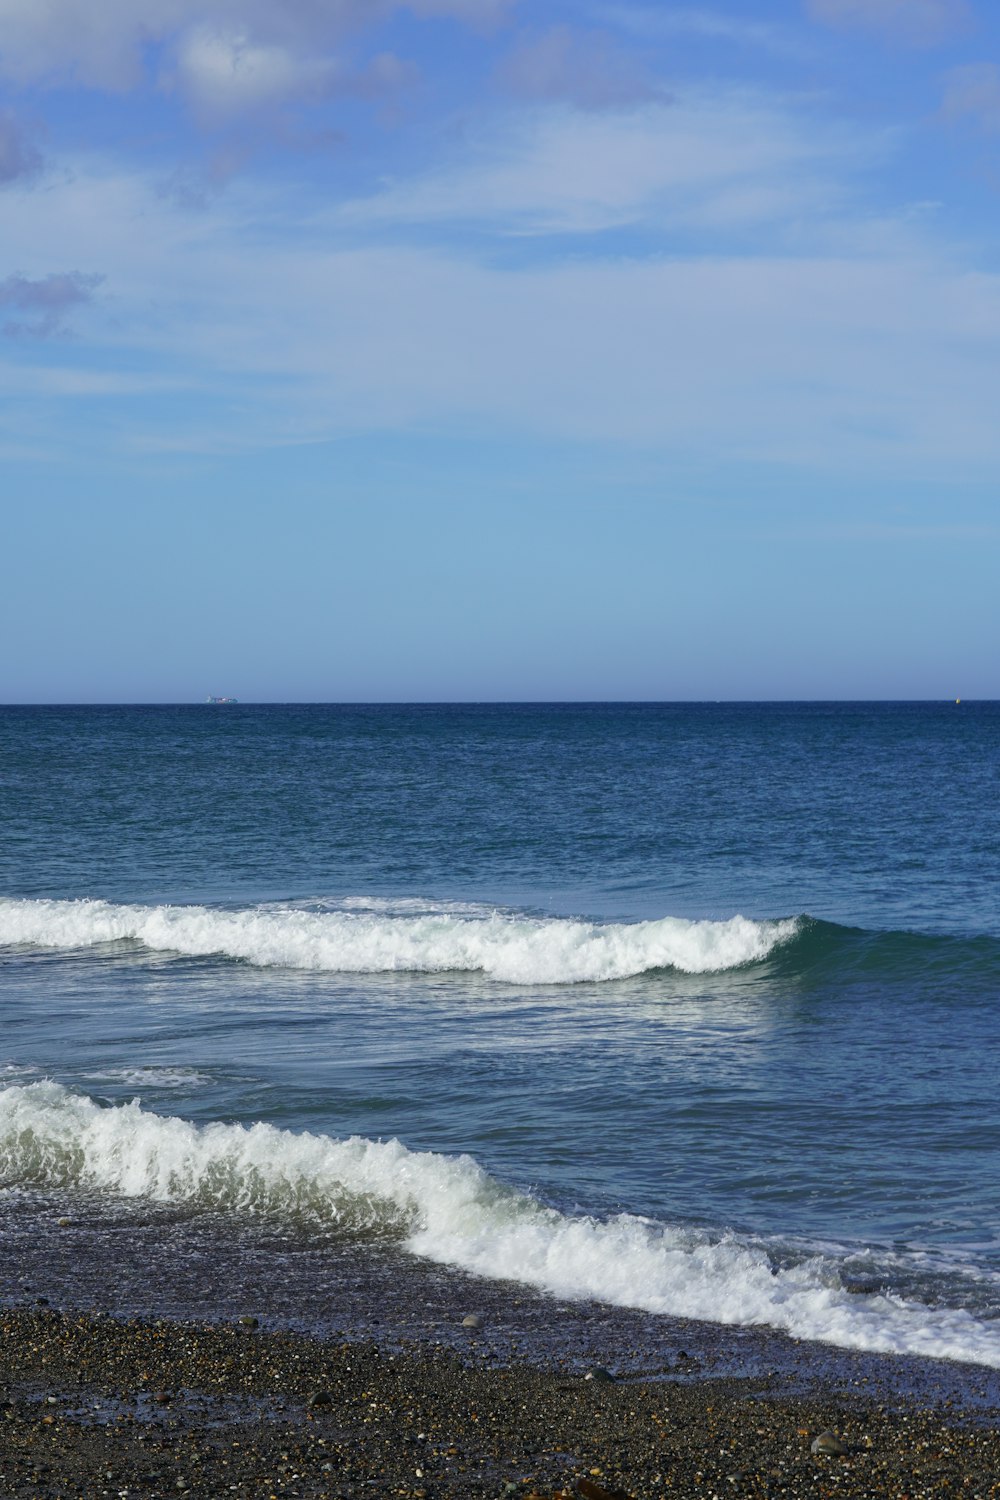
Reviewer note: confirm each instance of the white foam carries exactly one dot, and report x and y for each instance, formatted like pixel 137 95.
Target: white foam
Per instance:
pixel 516 949
pixel 150 1077
pixel 451 1211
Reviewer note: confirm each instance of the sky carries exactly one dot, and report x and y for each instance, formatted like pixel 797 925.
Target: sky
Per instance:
pixel 362 350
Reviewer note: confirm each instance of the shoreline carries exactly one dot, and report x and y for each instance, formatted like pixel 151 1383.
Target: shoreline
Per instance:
pixel 153 1354
pixel 129 1258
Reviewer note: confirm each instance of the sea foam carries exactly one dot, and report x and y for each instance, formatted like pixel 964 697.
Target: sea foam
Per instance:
pixel 450 1210
pixel 507 947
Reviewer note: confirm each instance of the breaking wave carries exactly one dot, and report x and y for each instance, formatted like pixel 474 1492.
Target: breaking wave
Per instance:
pixel 507 947
pixel 450 1210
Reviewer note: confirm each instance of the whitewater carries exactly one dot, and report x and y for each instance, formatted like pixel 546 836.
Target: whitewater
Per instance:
pixel 449 1210
pixel 506 947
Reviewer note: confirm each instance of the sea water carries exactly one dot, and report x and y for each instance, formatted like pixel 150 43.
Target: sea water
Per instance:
pixel 689 1008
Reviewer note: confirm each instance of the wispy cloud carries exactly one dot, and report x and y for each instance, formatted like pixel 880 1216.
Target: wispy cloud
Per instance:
pixel 720 159
pixel 918 23
pixel 46 301
pixel 661 23
pixel 973 92
pixel 280 317
pixel 883 361
pixel 585 68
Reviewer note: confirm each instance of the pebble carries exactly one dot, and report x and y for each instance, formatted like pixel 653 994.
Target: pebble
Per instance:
pixel 829 1442
pixel 472 1320
pixel 592 1491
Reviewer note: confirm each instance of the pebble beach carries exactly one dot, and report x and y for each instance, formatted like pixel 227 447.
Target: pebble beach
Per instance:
pixel 397 1378
pixel 100 1406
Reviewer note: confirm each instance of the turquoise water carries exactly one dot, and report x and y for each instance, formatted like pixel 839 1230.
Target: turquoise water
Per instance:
pixel 687 1007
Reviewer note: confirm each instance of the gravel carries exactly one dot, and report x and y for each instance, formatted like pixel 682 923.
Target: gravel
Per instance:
pixel 94 1405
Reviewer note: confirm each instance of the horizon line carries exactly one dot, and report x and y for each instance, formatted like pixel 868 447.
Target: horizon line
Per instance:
pixel 462 702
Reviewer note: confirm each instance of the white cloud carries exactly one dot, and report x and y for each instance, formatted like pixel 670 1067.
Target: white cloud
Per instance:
pixel 223 73
pixel 102 43
pixel 973 92
pixel 916 22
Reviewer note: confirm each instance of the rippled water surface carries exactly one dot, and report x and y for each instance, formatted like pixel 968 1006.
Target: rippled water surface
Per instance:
pixel 693 1008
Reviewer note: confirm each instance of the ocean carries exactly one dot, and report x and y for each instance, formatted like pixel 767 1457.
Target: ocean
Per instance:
pixel 687 1008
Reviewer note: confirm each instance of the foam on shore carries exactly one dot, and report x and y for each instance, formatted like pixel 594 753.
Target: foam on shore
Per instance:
pixel 451 1211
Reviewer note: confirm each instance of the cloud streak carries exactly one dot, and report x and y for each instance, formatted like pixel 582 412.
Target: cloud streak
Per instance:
pixel 918 23
pixel 664 23
pixel 723 161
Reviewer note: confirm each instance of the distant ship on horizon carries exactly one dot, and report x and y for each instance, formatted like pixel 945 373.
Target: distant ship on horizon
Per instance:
pixel 210 699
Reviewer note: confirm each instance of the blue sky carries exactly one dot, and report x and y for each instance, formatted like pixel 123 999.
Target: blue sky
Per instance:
pixel 477 349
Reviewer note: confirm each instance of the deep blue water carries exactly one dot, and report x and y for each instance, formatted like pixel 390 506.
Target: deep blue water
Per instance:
pixel 509 931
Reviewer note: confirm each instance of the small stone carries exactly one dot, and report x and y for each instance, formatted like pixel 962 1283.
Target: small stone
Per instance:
pixel 472 1320
pixel 601 1375
pixel 319 1398
pixel 829 1442
pixel 590 1490
pixel 64 1223
pixel 249 1322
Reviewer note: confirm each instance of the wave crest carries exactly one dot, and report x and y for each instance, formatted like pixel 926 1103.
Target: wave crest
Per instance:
pixel 511 948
